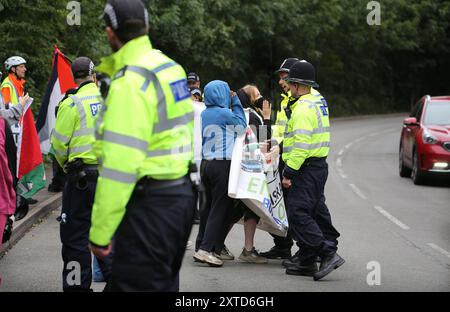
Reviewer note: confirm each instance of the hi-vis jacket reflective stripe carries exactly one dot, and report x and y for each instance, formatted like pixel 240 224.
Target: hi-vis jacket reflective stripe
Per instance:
pixel 308 131
pixel 7 83
pixel 145 129
pixel 73 136
pixel 279 128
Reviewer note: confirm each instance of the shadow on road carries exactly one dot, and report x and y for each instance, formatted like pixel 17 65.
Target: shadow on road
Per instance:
pixel 437 181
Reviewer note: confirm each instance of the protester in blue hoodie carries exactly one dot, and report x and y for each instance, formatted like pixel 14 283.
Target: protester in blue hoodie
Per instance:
pixel 222 120
pixel 219 123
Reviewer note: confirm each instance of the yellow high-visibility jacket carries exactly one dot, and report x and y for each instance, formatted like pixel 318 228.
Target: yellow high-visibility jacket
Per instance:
pixel 144 129
pixel 279 128
pixel 73 136
pixel 308 132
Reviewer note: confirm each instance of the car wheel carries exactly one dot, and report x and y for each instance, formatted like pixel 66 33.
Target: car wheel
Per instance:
pixel 404 171
pixel 417 175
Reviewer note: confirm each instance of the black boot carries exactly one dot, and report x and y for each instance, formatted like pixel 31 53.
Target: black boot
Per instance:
pixel 295 259
pixel 328 264
pixel 292 261
pixel 276 253
pixel 302 269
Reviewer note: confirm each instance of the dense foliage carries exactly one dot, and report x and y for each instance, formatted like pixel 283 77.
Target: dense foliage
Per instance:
pixel 361 68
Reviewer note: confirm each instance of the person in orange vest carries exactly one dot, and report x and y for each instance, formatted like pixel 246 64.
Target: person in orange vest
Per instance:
pixel 13 85
pixel 12 114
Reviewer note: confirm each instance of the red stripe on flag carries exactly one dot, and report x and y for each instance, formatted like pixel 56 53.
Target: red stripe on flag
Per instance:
pixel 65 77
pixel 30 149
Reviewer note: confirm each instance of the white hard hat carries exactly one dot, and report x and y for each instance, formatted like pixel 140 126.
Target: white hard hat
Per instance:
pixel 14 61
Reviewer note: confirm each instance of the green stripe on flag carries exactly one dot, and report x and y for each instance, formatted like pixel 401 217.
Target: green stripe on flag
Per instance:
pixel 32 182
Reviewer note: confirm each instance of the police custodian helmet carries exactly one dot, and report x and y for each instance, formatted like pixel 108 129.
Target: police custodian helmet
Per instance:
pixel 303 72
pixel 286 65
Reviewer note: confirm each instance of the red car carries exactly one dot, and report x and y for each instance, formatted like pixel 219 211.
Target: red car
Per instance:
pixel 425 140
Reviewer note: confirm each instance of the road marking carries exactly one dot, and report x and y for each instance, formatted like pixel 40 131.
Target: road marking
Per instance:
pixel 439 249
pixel 341 152
pixel 392 218
pixel 358 191
pixel 348 145
pixel 339 162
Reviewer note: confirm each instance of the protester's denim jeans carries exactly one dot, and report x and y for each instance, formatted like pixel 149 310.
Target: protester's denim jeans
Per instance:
pixel 97 272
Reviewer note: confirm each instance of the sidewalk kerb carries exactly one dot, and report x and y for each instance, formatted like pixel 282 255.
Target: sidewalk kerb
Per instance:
pixel 23 226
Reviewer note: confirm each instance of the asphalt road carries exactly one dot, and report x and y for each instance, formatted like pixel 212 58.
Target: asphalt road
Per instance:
pixel 386 223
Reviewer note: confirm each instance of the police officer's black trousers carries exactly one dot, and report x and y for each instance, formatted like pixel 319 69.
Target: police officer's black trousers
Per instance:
pixel 74 233
pixel 309 219
pixel 282 242
pixel 151 239
pixel 217 214
pixel 59 177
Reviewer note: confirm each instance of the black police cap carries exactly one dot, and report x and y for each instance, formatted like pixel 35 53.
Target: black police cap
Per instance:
pixel 82 67
pixel 193 77
pixel 118 12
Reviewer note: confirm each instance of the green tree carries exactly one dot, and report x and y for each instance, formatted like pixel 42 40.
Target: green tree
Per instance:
pixel 360 68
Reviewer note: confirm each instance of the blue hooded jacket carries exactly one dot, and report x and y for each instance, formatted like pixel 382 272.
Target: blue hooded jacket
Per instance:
pixel 220 125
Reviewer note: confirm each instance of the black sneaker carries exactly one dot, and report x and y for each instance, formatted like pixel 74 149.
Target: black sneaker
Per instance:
pixel 31 201
pixel 276 253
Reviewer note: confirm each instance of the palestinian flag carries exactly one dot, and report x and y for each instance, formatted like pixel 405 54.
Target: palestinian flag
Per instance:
pixel 61 80
pixel 30 168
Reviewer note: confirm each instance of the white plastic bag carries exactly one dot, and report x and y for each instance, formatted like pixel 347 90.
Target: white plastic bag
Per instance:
pixel 255 180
